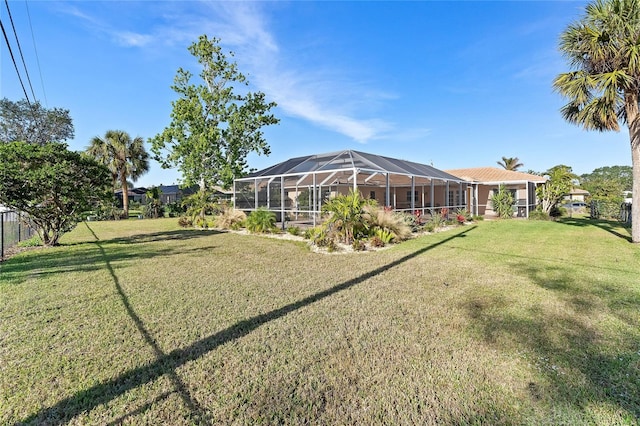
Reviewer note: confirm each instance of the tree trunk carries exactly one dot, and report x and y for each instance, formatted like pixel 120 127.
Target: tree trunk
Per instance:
pixel 203 192
pixel 125 198
pixel 633 118
pixel 634 135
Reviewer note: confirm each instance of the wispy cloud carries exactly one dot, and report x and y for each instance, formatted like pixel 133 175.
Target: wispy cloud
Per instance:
pixel 121 37
pixel 308 94
pixel 323 96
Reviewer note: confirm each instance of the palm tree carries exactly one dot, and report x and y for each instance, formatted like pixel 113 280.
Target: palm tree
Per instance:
pixel 126 158
pixel 604 88
pixel 509 163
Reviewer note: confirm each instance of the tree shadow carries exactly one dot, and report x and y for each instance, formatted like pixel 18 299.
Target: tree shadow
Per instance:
pixel 571 352
pixel 167 364
pixel 89 256
pixel 606 225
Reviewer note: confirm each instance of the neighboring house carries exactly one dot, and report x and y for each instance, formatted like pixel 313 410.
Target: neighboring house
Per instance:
pixel 577 194
pixel 484 182
pixel 169 194
pixel 173 193
pixel 297 188
pixel 137 195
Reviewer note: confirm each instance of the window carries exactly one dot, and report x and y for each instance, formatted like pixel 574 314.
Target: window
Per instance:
pixel 416 194
pixel 457 198
pixel 372 195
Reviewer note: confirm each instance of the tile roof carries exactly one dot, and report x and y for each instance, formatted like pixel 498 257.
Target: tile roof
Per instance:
pixel 494 174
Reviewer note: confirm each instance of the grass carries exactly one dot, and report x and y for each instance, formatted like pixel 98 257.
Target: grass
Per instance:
pixel 503 322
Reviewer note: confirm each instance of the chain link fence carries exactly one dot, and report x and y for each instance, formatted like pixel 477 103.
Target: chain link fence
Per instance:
pixel 13 229
pixel 611 210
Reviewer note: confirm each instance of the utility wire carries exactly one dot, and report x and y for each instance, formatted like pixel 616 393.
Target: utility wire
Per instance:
pixel 6 39
pixel 24 64
pixel 44 93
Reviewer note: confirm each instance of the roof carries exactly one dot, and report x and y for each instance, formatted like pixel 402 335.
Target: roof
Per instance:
pixel 352 160
pixel 494 175
pixel 578 191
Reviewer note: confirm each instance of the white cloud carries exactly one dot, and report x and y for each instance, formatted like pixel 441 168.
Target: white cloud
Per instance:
pixel 322 96
pixel 128 38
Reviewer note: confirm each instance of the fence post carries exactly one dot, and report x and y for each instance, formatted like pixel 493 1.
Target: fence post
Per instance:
pixel 2 235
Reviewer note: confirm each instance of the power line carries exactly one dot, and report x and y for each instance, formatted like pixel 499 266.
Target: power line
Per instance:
pixel 6 39
pixel 24 64
pixel 44 93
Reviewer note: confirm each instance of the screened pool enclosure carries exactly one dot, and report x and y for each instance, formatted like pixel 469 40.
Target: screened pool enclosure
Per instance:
pixel 296 189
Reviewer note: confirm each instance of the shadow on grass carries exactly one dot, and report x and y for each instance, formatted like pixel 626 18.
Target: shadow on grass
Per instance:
pixel 607 225
pixel 166 364
pixel 580 360
pixel 87 256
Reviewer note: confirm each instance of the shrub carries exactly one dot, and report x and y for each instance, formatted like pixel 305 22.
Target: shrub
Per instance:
pixel 359 245
pixel 385 235
pixel 429 226
pixel 185 222
pixel 294 230
pixel 346 220
pixel 437 220
pixel 375 241
pixel 261 221
pixel 201 222
pixel 392 223
pixel 466 215
pixel 153 210
pixel 538 215
pixel 503 202
pixel 557 212
pixel 231 218
pixel 173 209
pixel 34 241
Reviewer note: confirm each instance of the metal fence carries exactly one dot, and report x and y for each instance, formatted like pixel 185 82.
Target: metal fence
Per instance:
pixel 625 213
pixel 13 229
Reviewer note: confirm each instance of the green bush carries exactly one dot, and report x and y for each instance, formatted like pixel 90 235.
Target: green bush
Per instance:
pixel 538 215
pixel 346 220
pixel 34 241
pixel 437 221
pixel 294 230
pixel 201 222
pixel 503 202
pixel 385 235
pixel 174 209
pixel 557 212
pixel 261 221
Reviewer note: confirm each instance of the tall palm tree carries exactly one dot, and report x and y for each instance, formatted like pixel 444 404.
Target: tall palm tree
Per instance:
pixel 126 158
pixel 604 88
pixel 509 163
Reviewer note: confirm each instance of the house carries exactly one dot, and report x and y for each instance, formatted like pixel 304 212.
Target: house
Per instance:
pixel 297 188
pixel 169 194
pixel 577 194
pixel 137 195
pixel 484 182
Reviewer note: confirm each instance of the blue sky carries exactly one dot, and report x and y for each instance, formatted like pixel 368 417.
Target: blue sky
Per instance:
pixel 450 83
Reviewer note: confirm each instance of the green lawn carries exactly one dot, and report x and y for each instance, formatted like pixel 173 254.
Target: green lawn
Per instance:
pixel 503 322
